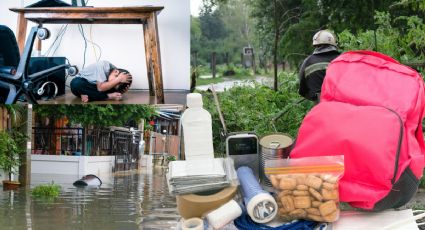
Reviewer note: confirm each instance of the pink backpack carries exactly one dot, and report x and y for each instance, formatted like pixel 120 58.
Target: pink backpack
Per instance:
pixel 371 112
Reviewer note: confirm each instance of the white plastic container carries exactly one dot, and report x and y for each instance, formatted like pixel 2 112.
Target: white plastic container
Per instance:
pixel 197 129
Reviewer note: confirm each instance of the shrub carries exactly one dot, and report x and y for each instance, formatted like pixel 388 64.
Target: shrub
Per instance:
pixel 253 108
pixel 12 145
pixel 171 158
pixel 47 191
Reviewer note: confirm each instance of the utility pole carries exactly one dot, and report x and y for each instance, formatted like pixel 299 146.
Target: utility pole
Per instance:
pixel 25 168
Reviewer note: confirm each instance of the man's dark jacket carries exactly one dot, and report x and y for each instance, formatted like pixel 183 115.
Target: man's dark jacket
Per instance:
pixel 313 71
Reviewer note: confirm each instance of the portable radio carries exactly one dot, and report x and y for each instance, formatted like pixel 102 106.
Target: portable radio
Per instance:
pixel 242 147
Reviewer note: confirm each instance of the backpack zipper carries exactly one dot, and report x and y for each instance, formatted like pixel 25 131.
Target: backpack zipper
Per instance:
pixel 400 140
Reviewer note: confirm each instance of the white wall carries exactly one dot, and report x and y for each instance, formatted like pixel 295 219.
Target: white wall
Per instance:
pixel 71 165
pixel 123 45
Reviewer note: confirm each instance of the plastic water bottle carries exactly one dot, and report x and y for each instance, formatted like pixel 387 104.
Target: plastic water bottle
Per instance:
pixel 197 129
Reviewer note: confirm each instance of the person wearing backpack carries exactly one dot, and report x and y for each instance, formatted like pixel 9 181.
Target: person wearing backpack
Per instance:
pixel 313 69
pixel 371 111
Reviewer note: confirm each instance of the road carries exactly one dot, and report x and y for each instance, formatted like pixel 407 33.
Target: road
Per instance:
pixel 222 86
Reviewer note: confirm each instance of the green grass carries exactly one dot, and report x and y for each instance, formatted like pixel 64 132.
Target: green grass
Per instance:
pixel 46 191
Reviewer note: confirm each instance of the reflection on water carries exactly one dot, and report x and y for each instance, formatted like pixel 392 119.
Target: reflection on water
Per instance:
pixel 134 200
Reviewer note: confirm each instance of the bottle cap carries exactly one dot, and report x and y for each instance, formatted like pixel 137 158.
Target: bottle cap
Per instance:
pixel 194 100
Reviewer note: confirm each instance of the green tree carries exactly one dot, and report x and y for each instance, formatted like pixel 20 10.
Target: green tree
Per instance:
pixel 273 20
pixel 97 115
pixel 16 115
pixel 406 44
pixel 222 28
pixel 212 25
pixel 352 15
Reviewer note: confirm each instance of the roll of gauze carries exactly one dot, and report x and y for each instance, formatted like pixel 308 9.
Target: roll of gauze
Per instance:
pixel 223 215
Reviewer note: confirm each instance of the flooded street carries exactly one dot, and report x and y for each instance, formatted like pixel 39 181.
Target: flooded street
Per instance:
pixel 131 200
pixel 125 201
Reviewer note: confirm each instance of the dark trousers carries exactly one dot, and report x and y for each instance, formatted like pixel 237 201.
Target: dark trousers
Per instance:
pixel 80 86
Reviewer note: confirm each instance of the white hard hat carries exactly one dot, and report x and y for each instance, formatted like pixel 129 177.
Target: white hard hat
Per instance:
pixel 324 37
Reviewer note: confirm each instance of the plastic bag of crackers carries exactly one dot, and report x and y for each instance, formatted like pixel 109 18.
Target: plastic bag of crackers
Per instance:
pixel 307 188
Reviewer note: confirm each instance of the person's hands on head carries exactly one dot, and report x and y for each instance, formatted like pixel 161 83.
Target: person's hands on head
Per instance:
pixel 125 77
pixel 122 78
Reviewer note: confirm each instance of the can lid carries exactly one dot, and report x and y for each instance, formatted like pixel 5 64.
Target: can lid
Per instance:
pixel 194 100
pixel 276 141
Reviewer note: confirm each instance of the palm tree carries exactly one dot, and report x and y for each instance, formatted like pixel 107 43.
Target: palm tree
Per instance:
pixel 16 113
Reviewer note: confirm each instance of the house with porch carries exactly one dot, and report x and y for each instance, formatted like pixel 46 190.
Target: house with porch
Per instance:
pixel 71 149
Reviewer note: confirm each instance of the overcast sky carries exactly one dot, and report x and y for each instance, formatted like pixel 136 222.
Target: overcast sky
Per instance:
pixel 194 7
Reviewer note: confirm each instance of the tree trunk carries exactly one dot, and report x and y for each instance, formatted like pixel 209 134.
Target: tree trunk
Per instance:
pixel 213 64
pixel 253 62
pixel 195 59
pixel 226 57
pixel 193 78
pixel 276 41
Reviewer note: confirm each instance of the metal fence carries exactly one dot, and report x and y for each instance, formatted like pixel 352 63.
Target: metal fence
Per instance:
pixel 122 143
pixel 57 141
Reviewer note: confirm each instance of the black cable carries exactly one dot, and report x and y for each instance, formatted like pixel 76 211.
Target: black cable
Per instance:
pixel 60 34
pixel 81 29
pixel 60 40
pixel 53 43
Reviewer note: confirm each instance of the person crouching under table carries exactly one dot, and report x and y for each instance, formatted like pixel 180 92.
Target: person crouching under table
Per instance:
pixel 101 81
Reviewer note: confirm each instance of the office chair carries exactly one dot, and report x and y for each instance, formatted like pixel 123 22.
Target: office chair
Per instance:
pixel 15 81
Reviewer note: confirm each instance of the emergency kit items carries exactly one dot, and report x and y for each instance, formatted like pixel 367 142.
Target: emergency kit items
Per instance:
pixel 193 176
pixel 197 129
pixel 307 188
pixel 201 182
pixel 260 205
pixel 224 215
pixel 273 147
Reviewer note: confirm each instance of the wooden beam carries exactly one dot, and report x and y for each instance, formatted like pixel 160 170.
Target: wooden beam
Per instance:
pixel 129 9
pixel 148 55
pixel 21 32
pixel 153 55
pixel 87 18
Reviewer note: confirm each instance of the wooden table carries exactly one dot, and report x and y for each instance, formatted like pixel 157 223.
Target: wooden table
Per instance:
pixel 145 15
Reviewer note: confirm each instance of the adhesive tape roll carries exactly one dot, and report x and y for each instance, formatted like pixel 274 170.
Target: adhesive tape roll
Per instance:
pixel 194 205
pixel 223 215
pixel 193 224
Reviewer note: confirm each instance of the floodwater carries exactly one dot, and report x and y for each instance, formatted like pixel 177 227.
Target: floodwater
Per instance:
pixel 125 201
